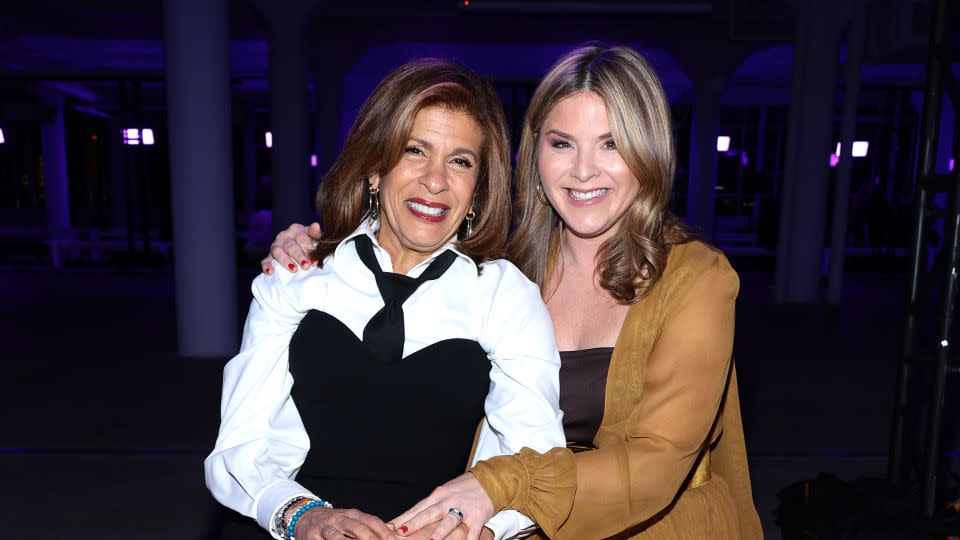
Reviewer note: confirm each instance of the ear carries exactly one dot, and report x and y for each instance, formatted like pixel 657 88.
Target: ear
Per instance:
pixel 374 180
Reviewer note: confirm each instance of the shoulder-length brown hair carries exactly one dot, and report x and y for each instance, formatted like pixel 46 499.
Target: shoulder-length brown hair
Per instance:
pixel 631 262
pixel 380 133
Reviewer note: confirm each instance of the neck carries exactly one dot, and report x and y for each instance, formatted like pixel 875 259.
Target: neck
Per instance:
pixel 579 254
pixel 401 259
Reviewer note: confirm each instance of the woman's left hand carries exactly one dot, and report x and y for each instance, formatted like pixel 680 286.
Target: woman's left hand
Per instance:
pixel 463 493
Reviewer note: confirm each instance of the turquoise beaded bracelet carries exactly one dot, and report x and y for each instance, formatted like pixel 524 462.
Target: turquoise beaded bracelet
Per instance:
pixel 302 510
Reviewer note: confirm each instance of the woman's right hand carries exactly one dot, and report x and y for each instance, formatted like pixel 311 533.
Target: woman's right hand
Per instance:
pixel 292 246
pixel 336 524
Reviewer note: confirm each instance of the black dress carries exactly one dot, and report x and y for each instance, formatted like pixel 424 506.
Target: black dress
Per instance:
pixel 383 433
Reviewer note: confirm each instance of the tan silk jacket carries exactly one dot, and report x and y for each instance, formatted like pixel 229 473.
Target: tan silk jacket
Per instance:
pixel 671 402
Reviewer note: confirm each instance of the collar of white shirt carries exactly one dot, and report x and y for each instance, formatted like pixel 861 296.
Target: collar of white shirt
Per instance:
pixel 370 227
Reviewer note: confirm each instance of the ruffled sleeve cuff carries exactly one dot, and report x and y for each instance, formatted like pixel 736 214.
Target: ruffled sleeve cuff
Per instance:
pixel 541 486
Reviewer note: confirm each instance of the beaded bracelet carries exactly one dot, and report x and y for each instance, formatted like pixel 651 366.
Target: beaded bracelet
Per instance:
pixel 302 510
pixel 278 520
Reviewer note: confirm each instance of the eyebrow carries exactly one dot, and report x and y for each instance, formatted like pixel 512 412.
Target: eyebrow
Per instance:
pixel 566 135
pixel 458 150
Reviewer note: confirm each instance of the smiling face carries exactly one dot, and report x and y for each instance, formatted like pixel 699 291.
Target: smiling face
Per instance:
pixel 424 198
pixel 584 177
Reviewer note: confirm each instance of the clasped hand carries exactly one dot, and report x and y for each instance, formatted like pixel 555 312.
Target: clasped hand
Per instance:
pixel 432 514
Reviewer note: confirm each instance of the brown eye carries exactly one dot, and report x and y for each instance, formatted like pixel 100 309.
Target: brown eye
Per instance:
pixel 609 144
pixel 463 162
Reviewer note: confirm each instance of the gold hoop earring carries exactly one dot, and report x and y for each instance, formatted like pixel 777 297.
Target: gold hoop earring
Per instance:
pixel 471 215
pixel 373 201
pixel 541 196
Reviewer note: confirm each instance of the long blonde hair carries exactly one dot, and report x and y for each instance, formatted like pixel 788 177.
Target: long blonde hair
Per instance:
pixel 380 133
pixel 631 262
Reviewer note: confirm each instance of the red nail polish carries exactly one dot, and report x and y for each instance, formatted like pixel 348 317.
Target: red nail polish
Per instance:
pixel 403 530
pixel 268 271
pixel 292 266
pixel 313 261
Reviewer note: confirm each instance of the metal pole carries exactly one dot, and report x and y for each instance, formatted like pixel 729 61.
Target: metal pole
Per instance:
pixel 931 463
pixel 930 127
pixel 841 194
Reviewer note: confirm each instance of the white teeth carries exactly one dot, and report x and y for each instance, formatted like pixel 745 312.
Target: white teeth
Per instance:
pixel 424 209
pixel 586 196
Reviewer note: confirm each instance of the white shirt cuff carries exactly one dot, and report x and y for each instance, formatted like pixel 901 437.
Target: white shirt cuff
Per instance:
pixel 510 524
pixel 269 501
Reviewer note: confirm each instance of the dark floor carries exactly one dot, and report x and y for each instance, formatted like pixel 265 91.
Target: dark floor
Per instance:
pixel 104 428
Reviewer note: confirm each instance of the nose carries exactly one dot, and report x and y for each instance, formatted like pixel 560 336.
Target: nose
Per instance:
pixel 585 167
pixel 435 176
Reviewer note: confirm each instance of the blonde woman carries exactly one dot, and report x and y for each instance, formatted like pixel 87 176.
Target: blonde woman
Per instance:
pixel 643 313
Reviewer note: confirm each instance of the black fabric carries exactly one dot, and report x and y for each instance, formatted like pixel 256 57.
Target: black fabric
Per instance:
pixel 383 433
pixel 384 332
pixel 583 386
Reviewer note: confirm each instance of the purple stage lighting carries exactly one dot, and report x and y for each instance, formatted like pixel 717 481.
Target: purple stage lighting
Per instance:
pixel 743 159
pixel 949 166
pixel 834 159
pixel 723 143
pixel 147 136
pixel 268 138
pixel 313 160
pixel 2 140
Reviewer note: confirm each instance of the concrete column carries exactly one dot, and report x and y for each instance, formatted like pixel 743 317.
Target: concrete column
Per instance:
pixel 249 160
pixel 702 178
pixel 759 159
pixel 116 165
pixel 809 144
pixel 198 104
pixel 56 186
pixel 289 113
pixel 328 104
pixel 841 197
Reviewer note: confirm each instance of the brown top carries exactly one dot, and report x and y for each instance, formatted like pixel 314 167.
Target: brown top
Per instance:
pixel 667 379
pixel 583 379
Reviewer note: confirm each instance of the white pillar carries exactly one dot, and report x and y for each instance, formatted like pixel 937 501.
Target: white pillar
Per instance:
pixel 293 190
pixel 809 144
pixel 198 104
pixel 56 186
pixel 702 176
pixel 841 197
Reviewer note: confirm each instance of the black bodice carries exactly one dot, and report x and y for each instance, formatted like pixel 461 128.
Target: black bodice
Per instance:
pixel 383 433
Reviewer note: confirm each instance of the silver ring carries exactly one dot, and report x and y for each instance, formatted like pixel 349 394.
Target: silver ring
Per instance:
pixel 457 514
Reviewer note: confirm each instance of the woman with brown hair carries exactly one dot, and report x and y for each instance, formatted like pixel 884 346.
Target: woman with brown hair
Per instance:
pixel 365 381
pixel 643 313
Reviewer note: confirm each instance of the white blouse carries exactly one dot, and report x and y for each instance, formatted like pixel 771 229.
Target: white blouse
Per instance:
pixel 262 442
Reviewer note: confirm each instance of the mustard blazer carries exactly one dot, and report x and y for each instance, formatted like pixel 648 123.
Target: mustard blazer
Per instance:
pixel 670 460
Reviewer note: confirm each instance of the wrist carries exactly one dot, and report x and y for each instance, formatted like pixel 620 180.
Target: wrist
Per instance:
pixel 293 510
pixel 311 504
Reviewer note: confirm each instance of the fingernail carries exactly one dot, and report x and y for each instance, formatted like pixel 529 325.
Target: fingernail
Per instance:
pixel 313 261
pixel 304 264
pixel 268 271
pixel 292 267
pixel 403 530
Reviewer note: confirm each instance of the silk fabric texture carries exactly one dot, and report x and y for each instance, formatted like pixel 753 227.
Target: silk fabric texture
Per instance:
pixel 671 393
